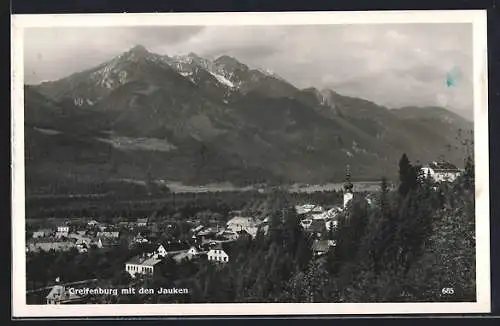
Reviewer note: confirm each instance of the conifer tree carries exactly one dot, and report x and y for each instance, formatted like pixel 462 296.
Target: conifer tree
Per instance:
pixel 350 231
pixel 404 175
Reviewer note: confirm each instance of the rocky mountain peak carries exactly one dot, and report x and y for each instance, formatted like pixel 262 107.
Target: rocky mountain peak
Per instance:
pixel 138 49
pixel 230 63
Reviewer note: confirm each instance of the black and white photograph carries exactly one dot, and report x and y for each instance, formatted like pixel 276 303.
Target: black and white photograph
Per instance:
pixel 293 163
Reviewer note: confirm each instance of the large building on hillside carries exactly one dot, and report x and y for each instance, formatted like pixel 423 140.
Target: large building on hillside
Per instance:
pixel 441 171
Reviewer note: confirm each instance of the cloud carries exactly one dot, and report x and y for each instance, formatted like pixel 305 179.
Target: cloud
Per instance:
pixel 52 53
pixel 392 64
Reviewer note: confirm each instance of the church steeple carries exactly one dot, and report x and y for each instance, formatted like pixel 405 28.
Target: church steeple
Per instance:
pixel 348 186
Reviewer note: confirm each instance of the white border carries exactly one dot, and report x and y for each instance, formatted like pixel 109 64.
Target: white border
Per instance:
pixel 476 17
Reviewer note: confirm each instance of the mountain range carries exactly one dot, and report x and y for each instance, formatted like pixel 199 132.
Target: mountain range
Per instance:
pixel 142 117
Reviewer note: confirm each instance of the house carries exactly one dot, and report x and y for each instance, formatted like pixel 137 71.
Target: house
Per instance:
pixel 329 214
pixel 82 247
pixel 197 229
pixel 193 251
pixel 162 250
pixel 60 295
pixel 220 253
pixel 170 247
pixel 105 243
pixel 306 223
pixel 142 222
pixel 243 223
pixel 109 234
pixel 60 235
pixel 321 247
pixel 308 208
pixel 140 239
pixel 145 264
pixel 42 233
pixel 92 223
pixel 331 224
pixel 63 229
pixel 441 171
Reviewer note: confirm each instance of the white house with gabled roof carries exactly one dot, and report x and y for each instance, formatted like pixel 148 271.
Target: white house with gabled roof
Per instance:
pixel 441 171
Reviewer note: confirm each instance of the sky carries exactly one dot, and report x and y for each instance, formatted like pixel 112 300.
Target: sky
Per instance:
pixel 394 65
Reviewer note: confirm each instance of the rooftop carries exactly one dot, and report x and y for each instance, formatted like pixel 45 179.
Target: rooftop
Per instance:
pixel 307 208
pixel 145 261
pixel 59 292
pixel 227 246
pixel 243 221
pixel 443 166
pixel 174 245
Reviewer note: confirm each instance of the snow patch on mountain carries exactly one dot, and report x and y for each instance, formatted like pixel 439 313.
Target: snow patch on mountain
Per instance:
pixel 110 75
pixel 189 65
pixel 222 79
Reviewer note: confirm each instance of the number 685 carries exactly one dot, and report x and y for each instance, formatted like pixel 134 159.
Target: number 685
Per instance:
pixel 447 291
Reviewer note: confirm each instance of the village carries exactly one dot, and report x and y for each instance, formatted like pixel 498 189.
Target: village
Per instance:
pixel 209 241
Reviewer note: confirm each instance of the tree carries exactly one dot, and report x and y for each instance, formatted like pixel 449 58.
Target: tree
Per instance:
pixel 469 175
pixel 150 184
pixel 448 259
pixel 404 175
pixel 311 285
pixel 350 232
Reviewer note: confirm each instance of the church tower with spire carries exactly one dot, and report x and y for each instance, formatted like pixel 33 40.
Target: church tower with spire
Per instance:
pixel 348 187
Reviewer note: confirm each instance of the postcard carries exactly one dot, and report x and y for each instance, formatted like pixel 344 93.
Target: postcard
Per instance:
pixel 224 164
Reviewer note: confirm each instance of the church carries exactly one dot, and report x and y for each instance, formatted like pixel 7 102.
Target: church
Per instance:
pixel 348 187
